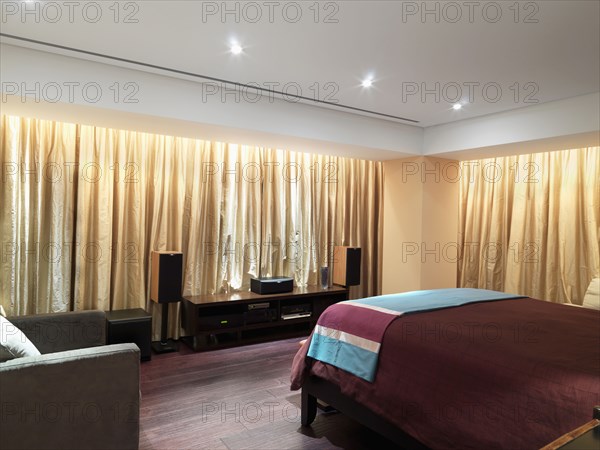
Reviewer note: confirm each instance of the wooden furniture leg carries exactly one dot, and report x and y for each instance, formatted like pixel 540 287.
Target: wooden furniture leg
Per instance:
pixel 309 408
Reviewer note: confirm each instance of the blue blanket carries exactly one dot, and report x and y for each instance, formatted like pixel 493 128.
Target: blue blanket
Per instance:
pixel 351 340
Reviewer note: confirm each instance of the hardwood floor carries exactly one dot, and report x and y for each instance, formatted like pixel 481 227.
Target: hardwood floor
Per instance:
pixel 237 398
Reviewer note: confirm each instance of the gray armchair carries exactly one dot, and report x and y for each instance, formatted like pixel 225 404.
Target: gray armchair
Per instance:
pixel 79 393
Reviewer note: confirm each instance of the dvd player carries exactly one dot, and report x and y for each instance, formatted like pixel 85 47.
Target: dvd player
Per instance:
pixel 263 305
pixel 299 315
pixel 296 311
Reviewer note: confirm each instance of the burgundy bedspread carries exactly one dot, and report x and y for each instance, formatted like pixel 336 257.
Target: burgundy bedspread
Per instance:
pixel 511 374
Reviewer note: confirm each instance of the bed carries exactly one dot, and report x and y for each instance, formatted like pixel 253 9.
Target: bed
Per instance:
pixel 512 373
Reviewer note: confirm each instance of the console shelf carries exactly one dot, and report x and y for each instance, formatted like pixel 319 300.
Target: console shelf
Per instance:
pixel 225 320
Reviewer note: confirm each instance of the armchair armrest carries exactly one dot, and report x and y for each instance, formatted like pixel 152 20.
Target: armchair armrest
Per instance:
pixel 87 398
pixel 58 332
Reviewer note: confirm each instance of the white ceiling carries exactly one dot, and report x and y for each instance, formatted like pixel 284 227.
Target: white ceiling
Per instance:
pixel 557 56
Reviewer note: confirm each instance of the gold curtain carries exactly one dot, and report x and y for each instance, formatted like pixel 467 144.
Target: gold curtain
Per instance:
pixel 530 224
pixel 234 211
pixel 37 215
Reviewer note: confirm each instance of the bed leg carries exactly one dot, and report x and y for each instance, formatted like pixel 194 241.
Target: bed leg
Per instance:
pixel 309 408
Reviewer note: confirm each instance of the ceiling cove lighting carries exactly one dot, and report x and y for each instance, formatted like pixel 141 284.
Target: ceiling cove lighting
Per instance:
pixel 199 76
pixel 456 106
pixel 236 49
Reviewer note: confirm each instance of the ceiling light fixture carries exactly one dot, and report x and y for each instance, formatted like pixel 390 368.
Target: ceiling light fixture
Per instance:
pixel 456 106
pixel 367 82
pixel 236 49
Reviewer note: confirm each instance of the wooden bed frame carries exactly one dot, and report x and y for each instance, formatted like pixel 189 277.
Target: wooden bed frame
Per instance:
pixel 314 388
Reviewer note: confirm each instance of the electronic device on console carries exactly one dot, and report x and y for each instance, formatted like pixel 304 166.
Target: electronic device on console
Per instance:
pixel 271 285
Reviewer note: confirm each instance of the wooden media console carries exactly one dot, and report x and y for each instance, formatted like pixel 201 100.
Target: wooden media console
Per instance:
pixel 222 320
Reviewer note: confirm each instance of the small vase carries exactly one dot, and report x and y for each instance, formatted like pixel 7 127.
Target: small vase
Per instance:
pixel 324 277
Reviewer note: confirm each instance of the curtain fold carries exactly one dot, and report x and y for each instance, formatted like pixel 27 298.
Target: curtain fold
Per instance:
pixel 234 211
pixel 530 224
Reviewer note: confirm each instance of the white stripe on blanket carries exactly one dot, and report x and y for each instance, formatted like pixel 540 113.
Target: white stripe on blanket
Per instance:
pixel 352 339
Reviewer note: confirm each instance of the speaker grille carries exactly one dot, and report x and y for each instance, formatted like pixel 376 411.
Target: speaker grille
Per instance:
pixel 167 275
pixel 353 267
pixel 346 266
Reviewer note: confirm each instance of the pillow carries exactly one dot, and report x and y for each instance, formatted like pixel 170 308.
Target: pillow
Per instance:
pixel 592 296
pixel 13 343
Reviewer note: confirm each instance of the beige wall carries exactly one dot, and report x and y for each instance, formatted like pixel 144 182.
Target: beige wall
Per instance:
pixel 440 224
pixel 420 224
pixel 402 211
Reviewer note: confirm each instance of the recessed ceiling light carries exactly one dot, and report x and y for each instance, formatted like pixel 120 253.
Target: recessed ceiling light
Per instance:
pixel 236 49
pixel 457 106
pixel 367 82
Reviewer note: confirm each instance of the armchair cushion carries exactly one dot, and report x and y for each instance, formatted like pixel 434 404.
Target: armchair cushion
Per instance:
pixel 58 332
pixel 13 342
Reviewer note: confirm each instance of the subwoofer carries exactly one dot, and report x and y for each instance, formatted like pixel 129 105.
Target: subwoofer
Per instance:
pixel 346 266
pixel 165 288
pixel 167 268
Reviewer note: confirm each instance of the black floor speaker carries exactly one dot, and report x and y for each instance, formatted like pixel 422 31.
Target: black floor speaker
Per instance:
pixel 346 266
pixel 167 271
pixel 165 288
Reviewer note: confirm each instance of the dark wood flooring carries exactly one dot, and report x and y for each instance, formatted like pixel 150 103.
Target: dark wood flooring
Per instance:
pixel 237 398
